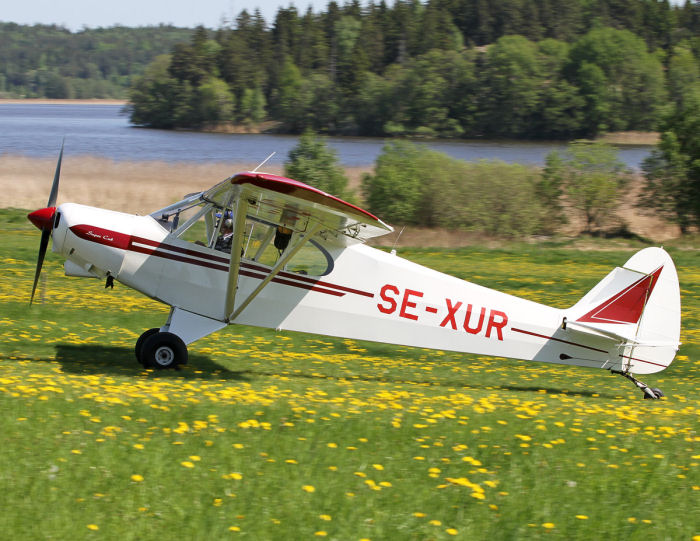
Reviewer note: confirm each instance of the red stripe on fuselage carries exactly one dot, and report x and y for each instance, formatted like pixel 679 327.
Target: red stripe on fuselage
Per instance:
pixel 310 280
pixel 211 261
pixel 643 361
pixel 101 236
pixel 174 257
pixel 282 281
pixel 180 249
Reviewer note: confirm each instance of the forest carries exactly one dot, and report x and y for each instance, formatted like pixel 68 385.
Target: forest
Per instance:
pixel 559 69
pixel 48 61
pixel 554 69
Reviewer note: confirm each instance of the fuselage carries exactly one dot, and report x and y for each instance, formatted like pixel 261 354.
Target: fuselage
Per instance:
pixel 360 293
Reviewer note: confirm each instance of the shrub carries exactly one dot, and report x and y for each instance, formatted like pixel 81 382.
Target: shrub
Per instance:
pixel 413 185
pixel 312 162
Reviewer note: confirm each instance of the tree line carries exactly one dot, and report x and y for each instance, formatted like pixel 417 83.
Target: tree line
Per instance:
pixel 49 61
pixel 558 69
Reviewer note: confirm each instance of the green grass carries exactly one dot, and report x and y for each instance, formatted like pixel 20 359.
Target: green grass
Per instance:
pixel 286 436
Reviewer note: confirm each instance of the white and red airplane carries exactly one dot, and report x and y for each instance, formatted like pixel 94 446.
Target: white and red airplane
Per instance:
pixel 264 250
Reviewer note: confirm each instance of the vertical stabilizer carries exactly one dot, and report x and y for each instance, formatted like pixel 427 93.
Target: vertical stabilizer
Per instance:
pixel 640 304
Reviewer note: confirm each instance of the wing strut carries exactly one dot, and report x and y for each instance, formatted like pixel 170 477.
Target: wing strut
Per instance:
pixel 236 245
pixel 281 262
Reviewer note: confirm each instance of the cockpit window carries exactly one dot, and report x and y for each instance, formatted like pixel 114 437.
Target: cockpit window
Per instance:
pixel 264 241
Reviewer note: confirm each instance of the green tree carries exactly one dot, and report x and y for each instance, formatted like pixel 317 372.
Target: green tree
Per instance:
pixel 592 177
pixel 312 162
pixel 152 96
pixel 394 192
pixel 622 83
pixel 216 102
pixel 252 107
pixel 672 170
pixel 286 96
pixel 511 84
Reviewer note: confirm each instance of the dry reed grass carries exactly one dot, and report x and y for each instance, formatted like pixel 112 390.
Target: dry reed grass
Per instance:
pixel 142 187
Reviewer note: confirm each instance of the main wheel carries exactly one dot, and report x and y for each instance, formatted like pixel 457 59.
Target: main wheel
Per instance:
pixel 140 342
pixel 163 350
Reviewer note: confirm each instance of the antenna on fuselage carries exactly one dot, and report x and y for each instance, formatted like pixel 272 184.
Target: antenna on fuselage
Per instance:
pixel 263 162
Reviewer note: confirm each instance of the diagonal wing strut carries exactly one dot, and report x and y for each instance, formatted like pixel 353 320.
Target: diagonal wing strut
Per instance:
pixel 281 262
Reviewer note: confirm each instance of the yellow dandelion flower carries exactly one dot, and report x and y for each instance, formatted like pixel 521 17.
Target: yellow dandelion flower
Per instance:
pixel 582 517
pixel 195 458
pixel 321 533
pixel 234 529
pixel 187 464
pixel 435 522
pixel 418 514
pixel 93 527
pixel 325 517
pixel 136 478
pixel 451 531
pixel 548 525
pixel 309 488
pixel 378 467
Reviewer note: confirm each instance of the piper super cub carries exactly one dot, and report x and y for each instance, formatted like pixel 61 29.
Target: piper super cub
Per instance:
pixel 264 250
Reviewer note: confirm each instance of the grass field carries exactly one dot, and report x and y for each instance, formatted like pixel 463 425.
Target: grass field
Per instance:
pixel 285 436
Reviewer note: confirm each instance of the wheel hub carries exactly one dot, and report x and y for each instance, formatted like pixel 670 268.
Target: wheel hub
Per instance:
pixel 164 356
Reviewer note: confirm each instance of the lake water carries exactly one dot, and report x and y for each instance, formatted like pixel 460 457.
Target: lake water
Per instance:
pixel 102 130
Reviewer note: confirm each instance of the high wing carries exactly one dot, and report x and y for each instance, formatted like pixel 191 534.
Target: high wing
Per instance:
pixel 282 200
pixel 295 209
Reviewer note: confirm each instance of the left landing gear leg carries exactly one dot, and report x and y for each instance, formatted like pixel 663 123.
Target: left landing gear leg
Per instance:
pixel 651 393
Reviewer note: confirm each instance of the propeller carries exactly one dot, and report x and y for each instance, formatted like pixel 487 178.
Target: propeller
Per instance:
pixel 44 219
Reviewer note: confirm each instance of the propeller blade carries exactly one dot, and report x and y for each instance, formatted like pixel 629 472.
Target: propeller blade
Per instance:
pixel 43 219
pixel 45 234
pixel 54 187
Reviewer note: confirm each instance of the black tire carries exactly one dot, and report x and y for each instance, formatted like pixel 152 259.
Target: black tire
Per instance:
pixel 139 343
pixel 163 350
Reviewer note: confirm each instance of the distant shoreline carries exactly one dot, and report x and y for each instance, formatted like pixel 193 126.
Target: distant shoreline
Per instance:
pixel 632 138
pixel 43 101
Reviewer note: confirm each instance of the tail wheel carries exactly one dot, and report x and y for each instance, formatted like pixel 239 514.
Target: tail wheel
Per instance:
pixel 139 343
pixel 163 350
